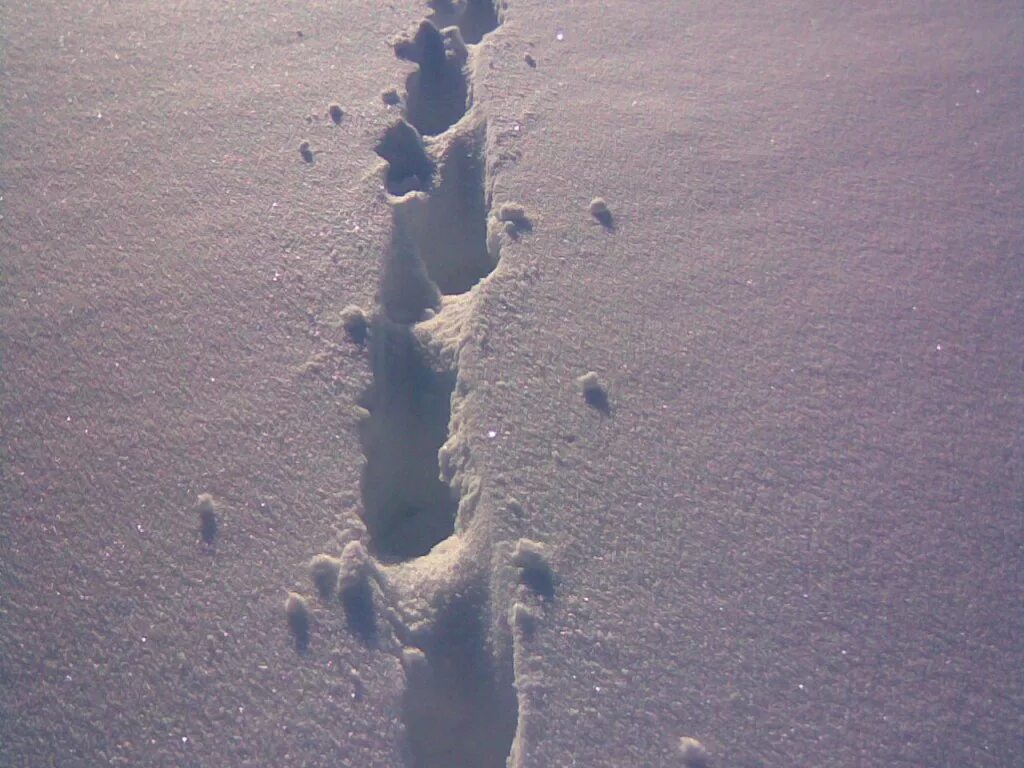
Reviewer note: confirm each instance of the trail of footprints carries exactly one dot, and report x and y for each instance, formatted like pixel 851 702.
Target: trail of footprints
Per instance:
pixel 422 585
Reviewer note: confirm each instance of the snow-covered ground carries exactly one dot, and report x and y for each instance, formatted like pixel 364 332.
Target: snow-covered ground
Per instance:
pixel 783 518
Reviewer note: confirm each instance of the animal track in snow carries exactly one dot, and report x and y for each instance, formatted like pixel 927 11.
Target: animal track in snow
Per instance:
pixel 437 91
pixel 409 168
pixel 443 225
pixel 424 578
pixel 407 509
pixel 474 18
